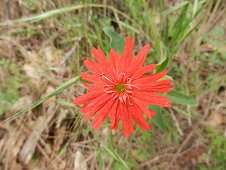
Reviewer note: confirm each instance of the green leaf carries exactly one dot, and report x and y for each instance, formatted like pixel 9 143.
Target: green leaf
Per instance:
pixel 167 77
pixel 158 119
pixel 163 64
pixel 116 41
pixel 180 98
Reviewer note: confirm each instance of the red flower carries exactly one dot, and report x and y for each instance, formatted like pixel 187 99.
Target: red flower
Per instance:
pixel 122 89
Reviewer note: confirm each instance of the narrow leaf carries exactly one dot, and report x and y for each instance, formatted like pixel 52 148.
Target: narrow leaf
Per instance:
pixel 158 119
pixel 164 62
pixel 180 98
pixel 117 42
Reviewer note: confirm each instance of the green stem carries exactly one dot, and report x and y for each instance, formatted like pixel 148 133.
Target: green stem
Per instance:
pixel 43 99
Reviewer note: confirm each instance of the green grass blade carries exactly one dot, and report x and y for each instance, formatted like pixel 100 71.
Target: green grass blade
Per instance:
pixel 116 156
pixel 180 26
pixel 128 26
pixel 164 62
pixel 41 100
pixel 166 31
pixel 174 8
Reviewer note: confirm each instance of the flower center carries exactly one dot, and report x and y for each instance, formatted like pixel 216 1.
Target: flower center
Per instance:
pixel 120 88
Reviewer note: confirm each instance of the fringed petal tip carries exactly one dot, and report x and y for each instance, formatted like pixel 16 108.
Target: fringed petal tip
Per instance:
pixel 75 102
pixel 128 39
pixel 167 105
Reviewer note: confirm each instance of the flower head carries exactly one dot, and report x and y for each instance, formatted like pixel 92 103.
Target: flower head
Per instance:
pixel 121 89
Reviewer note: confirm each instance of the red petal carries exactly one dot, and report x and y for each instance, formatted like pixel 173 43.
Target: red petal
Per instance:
pixel 102 98
pixel 143 106
pixel 104 65
pixel 138 117
pixel 86 97
pixel 162 89
pixel 159 86
pixel 143 70
pixel 154 99
pixel 127 54
pixel 138 60
pixel 161 83
pixel 115 62
pixel 117 117
pixel 99 55
pixel 92 66
pixel 150 78
pixel 91 78
pixel 98 80
pixel 114 56
pixel 127 124
pixel 96 106
pixel 94 87
pixel 113 114
pixel 102 115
